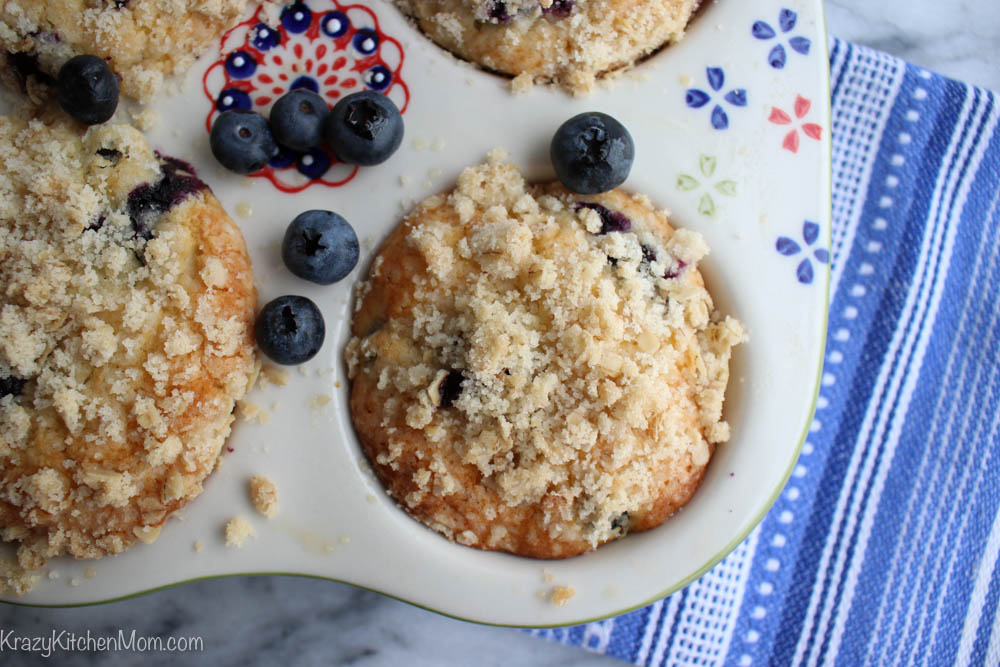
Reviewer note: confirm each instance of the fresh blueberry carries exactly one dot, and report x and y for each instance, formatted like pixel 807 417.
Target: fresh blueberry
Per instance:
pixel 320 246
pixel 290 330
pixel 297 119
pixel 241 141
pixel 592 153
pixel 88 89
pixel 364 128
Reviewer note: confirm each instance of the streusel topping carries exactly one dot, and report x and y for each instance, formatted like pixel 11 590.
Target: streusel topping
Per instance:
pixel 561 347
pixel 125 336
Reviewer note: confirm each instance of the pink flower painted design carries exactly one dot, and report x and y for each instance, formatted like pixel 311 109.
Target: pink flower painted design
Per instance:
pixel 801 110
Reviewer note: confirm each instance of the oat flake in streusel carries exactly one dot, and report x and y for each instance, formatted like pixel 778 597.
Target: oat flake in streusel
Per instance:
pixel 535 371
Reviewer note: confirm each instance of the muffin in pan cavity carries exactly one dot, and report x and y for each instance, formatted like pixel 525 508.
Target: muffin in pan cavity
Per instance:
pixel 126 337
pixel 536 371
pixel 143 41
pixel 568 42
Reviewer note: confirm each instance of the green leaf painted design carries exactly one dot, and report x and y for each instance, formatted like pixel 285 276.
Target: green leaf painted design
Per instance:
pixel 687 183
pixel 707 164
pixel 706 206
pixel 727 188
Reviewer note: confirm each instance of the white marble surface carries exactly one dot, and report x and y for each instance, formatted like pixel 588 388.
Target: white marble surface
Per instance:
pixel 274 620
pixel 958 38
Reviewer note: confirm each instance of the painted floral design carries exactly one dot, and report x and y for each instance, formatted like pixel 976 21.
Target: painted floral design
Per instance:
pixel 791 248
pixel 801 110
pixel 697 98
pixel 778 56
pixel 329 48
pixel 706 167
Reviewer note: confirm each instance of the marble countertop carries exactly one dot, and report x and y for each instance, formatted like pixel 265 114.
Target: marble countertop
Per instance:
pixel 960 39
pixel 275 620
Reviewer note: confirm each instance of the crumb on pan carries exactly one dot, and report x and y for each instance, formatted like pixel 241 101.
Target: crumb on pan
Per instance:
pixel 16 579
pixel 561 595
pixel 238 530
pixel 264 495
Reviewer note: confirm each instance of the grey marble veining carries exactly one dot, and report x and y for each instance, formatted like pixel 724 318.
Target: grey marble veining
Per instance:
pixel 958 38
pixel 285 620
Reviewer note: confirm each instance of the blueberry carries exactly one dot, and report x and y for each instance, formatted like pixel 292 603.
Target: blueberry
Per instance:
pixel 241 141
pixel 592 153
pixel 11 386
pixel 320 246
pixel 297 119
pixel 451 388
pixel 611 221
pixel 620 524
pixel 290 330
pixel 364 128
pixel 496 11
pixel 88 89
pixel 559 9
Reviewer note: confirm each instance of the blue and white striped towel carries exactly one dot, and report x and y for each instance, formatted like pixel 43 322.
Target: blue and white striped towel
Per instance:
pixel 884 545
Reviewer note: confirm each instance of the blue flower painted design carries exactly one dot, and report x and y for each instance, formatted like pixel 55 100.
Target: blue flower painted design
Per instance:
pixel 786 22
pixel 790 248
pixel 697 98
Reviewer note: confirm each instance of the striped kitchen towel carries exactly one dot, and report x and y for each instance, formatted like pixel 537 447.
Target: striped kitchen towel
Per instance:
pixel 883 547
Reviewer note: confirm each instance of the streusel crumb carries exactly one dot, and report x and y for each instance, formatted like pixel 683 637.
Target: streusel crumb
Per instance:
pixel 238 531
pixel 561 595
pixel 264 495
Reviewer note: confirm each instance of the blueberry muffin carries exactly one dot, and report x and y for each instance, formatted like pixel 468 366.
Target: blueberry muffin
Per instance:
pixel 126 325
pixel 570 42
pixel 535 371
pixel 142 40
